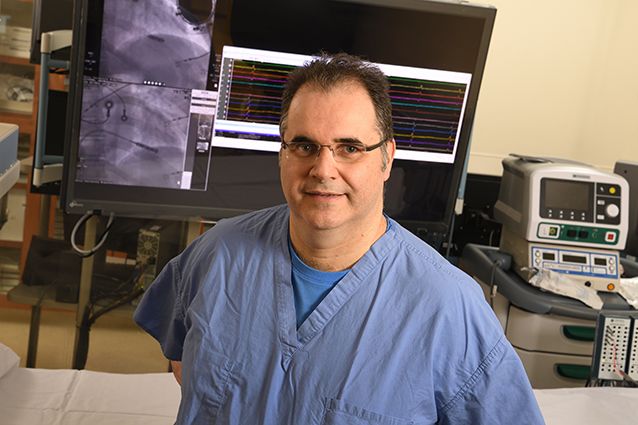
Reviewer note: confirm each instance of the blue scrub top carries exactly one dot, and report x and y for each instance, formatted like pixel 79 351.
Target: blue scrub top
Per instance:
pixel 403 338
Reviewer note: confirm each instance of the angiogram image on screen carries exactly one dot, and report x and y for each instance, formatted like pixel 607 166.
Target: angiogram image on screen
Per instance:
pixel 138 135
pixel 156 41
pixel 427 105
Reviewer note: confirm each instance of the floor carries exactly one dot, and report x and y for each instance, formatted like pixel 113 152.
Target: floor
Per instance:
pixel 116 344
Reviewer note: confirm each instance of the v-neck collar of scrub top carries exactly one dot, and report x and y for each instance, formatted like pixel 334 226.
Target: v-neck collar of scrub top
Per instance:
pixel 291 338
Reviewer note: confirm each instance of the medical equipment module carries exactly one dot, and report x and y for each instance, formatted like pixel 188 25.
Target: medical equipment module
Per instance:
pixel 563 202
pixel 615 355
pixel 594 268
pixel 564 216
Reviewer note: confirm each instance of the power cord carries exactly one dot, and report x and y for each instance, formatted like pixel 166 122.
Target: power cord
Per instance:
pixel 499 261
pixel 84 253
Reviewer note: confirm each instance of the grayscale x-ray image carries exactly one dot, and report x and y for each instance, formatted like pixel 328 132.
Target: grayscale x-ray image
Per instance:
pixel 132 134
pixel 156 40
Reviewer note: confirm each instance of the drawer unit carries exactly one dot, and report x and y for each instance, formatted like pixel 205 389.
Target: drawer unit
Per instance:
pixel 549 370
pixel 550 333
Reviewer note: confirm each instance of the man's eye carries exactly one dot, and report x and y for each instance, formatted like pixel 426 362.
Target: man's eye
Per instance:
pixel 350 149
pixel 305 148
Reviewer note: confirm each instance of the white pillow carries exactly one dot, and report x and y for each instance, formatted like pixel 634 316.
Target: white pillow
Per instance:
pixel 8 360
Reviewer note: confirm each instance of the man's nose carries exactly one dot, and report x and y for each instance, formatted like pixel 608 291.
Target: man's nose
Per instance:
pixel 324 165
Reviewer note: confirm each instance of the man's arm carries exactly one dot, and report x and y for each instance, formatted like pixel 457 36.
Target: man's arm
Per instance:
pixel 160 313
pixel 176 367
pixel 498 393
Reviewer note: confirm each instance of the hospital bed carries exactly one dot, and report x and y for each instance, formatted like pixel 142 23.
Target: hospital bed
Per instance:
pixel 74 397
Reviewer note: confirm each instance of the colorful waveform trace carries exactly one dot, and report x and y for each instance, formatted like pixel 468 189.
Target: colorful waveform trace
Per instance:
pixel 426 114
pixel 427 104
pixel 255 91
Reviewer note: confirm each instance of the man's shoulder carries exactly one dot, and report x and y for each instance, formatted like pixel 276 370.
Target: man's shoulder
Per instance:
pixel 414 249
pixel 268 221
pixel 273 218
pixel 430 271
pixel 266 225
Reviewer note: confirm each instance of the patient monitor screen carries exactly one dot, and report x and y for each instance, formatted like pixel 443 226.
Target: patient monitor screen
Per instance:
pixel 427 104
pixel 564 194
pixel 180 101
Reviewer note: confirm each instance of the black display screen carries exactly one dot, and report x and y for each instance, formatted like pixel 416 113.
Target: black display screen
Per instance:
pixel 175 112
pixel 574 259
pixel 567 195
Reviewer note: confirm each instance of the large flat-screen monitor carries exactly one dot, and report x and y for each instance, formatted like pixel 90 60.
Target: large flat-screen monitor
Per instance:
pixel 175 104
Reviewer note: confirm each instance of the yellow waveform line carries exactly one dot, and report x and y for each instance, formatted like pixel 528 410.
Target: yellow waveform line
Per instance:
pixel 413 136
pixel 262 69
pixel 251 110
pixel 426 88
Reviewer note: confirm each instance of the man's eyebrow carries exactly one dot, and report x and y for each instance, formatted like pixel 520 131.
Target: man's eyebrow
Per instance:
pixel 301 139
pixel 349 141
pixel 306 139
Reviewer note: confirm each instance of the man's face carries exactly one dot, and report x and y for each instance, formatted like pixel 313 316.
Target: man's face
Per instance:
pixel 324 194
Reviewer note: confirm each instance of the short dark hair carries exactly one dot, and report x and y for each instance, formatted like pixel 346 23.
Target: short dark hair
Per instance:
pixel 327 71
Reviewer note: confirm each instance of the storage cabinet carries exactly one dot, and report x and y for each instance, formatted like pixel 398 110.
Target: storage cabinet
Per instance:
pixel 18 105
pixel 556 351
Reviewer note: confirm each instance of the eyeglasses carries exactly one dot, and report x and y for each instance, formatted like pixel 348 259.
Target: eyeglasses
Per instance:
pixel 344 152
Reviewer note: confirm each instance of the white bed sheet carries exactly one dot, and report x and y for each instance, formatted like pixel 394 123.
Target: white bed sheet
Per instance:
pixel 52 397
pixel 589 406
pixel 72 397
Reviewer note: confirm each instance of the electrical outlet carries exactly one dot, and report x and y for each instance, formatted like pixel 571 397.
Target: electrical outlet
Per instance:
pixel 612 346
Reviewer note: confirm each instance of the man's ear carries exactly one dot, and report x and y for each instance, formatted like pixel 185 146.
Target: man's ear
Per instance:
pixel 391 148
pixel 281 150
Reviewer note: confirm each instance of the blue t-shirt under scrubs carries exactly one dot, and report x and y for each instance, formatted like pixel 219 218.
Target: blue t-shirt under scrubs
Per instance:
pixel 310 285
pixel 403 338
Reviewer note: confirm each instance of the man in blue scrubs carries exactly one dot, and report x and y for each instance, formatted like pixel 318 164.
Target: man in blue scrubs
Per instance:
pixel 324 310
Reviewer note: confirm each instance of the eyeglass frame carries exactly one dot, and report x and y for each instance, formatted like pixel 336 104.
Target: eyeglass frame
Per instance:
pixel 366 148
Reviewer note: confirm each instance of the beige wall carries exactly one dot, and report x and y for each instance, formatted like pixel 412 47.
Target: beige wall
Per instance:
pixel 561 80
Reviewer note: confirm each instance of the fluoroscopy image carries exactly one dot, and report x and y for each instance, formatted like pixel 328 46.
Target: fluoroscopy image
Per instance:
pixel 132 134
pixel 158 41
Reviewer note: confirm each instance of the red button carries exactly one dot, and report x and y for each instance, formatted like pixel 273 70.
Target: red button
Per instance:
pixel 610 236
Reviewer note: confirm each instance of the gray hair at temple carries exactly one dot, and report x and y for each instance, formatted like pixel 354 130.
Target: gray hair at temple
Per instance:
pixel 327 71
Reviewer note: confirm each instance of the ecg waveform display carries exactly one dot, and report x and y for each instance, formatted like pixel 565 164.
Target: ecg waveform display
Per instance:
pixel 426 114
pixel 427 105
pixel 254 91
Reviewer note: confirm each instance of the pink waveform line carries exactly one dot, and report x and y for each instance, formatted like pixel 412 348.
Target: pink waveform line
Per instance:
pixel 270 80
pixel 391 91
pixel 426 120
pixel 412 112
pixel 235 92
pixel 416 99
